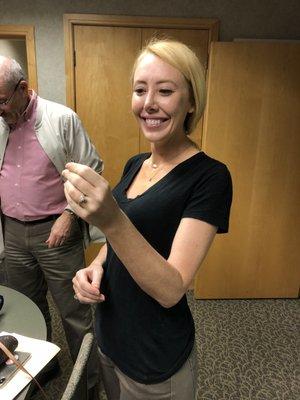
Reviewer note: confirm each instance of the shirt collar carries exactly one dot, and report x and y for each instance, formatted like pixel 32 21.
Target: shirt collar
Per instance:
pixel 31 105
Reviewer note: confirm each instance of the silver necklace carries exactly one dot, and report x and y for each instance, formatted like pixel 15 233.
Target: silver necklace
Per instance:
pixel 158 168
pixel 155 168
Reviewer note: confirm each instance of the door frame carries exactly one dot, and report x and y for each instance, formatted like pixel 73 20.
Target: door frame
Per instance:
pixel 24 32
pixel 71 20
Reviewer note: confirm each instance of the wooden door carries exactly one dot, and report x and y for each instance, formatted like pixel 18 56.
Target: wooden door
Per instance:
pixel 102 52
pixel 104 60
pixel 252 124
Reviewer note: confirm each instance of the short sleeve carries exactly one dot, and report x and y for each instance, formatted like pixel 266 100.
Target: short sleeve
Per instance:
pixel 211 198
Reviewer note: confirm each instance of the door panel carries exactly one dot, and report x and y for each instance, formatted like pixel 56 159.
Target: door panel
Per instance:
pixel 252 124
pixel 104 58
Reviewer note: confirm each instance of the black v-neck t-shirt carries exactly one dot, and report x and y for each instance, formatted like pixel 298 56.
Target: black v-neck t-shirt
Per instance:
pixel 148 342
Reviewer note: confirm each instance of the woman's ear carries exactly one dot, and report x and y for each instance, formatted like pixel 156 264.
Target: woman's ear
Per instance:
pixel 192 105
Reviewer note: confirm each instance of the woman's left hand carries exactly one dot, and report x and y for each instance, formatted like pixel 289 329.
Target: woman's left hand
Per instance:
pixel 89 195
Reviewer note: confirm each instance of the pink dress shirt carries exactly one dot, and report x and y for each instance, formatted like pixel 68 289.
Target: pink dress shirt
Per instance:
pixel 30 186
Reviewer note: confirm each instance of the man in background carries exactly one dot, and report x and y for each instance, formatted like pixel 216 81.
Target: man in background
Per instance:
pixel 43 242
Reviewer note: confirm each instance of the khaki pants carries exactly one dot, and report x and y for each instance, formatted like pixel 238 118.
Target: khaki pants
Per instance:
pixel 181 386
pixel 32 268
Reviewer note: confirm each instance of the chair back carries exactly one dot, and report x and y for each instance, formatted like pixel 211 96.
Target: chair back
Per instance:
pixel 76 388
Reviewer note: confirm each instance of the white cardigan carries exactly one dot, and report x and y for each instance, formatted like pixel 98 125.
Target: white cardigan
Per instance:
pixel 63 138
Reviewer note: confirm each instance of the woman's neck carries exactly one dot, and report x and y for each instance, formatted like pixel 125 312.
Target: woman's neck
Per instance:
pixel 173 153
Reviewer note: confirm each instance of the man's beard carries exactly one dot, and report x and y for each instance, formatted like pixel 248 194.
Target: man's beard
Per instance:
pixel 11 118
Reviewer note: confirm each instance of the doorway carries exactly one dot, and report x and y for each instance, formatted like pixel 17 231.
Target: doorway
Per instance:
pixel 17 41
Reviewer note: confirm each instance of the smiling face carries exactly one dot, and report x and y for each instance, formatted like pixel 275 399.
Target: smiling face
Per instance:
pixel 160 99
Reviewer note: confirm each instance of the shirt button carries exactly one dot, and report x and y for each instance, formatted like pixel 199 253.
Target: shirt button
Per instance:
pixel 19 147
pixel 18 165
pixel 16 184
pixel 18 204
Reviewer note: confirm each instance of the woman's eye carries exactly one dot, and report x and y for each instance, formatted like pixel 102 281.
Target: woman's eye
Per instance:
pixel 139 91
pixel 166 92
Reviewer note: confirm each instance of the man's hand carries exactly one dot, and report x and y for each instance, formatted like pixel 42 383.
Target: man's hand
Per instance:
pixel 60 230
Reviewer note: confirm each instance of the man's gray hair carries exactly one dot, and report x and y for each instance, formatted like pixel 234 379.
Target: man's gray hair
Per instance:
pixel 10 71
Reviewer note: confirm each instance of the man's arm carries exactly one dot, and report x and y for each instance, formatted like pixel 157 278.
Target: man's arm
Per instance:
pixel 79 146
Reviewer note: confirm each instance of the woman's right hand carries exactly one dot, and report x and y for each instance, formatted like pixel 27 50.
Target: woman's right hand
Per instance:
pixel 86 284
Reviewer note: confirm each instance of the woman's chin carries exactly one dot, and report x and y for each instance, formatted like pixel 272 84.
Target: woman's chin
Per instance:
pixel 156 134
pixel 154 137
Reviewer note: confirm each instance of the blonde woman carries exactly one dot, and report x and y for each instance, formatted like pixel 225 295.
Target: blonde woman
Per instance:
pixel 159 221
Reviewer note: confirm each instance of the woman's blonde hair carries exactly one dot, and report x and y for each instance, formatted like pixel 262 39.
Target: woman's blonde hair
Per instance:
pixel 184 60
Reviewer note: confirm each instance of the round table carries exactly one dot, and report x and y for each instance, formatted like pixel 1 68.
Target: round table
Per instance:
pixel 21 315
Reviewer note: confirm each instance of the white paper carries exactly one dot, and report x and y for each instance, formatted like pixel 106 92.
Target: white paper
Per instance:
pixel 41 353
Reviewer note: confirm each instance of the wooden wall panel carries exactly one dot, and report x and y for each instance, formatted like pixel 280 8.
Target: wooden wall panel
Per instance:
pixel 252 124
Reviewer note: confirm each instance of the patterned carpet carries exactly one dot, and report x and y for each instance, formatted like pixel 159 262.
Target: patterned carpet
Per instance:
pixel 247 350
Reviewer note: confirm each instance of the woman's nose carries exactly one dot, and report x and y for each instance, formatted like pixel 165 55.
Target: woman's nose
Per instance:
pixel 150 102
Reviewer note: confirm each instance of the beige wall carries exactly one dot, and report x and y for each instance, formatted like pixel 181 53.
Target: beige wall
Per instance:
pixel 259 19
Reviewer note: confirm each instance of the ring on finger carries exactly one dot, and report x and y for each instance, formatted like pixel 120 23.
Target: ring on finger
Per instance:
pixel 82 199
